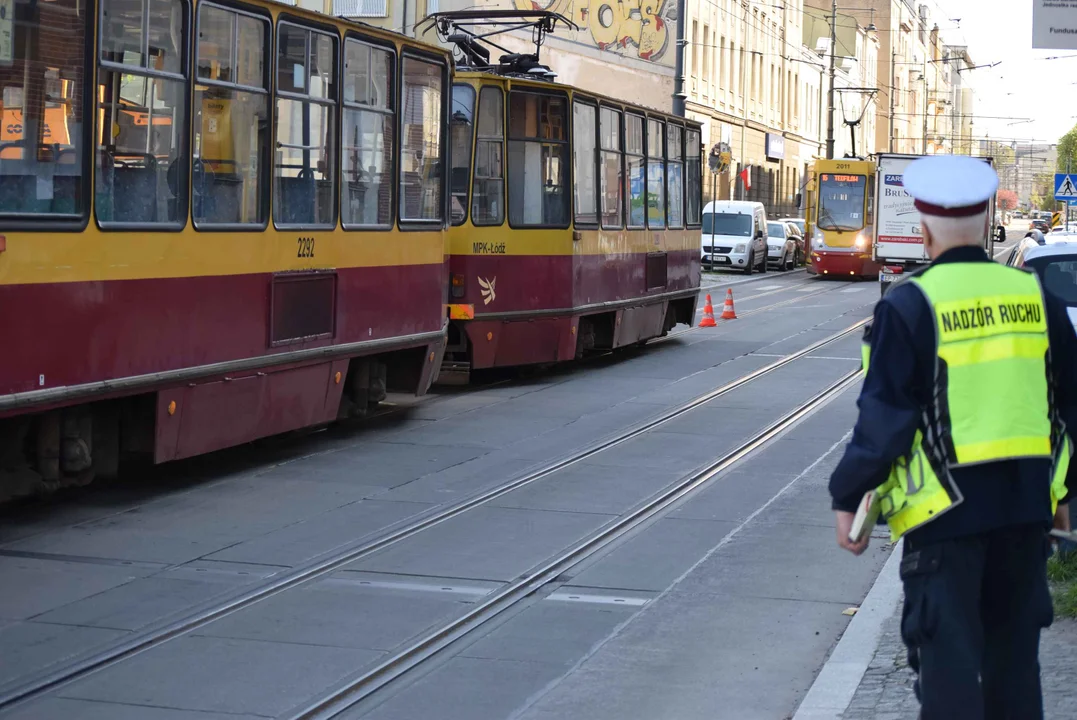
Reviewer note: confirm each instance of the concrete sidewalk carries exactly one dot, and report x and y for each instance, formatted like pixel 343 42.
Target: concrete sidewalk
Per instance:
pixel 884 691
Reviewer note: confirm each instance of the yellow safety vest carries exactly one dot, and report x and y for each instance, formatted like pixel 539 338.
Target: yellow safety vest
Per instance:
pixel 993 401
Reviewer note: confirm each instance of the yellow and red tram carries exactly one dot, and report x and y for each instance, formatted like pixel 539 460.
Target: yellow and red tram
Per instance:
pixel 841 218
pixel 575 221
pixel 218 221
pixel 226 219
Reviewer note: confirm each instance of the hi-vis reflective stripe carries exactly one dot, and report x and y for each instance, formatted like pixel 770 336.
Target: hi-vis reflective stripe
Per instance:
pixel 989 316
pixel 1031 347
pixel 1014 447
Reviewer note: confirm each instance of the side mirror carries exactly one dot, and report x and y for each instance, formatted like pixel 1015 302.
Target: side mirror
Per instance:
pixel 799 199
pixel 1001 234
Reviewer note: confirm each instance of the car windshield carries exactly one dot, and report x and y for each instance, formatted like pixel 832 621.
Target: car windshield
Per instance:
pixel 727 224
pixel 776 230
pixel 1059 275
pixel 841 202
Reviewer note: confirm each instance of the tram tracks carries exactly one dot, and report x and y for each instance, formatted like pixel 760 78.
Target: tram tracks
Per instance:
pixel 23 690
pixel 354 691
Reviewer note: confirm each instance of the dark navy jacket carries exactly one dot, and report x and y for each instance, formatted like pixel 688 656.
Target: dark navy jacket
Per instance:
pixel 899 384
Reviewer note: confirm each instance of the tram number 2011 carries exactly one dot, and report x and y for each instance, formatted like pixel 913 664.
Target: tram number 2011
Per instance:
pixel 305 247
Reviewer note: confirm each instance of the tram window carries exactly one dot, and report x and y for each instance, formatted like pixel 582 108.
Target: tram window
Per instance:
pixel 420 148
pixel 693 178
pixel 675 175
pixel 656 184
pixel 584 126
pixel 488 205
pixel 304 177
pixel 367 163
pixel 229 182
pixel 611 168
pixel 637 204
pixel 42 148
pixel 537 155
pixel 142 114
pixel 461 127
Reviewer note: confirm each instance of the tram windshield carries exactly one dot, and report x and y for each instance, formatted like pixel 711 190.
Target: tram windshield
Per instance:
pixel 727 224
pixel 841 202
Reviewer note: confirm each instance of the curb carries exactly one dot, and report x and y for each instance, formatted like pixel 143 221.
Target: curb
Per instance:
pixel 836 683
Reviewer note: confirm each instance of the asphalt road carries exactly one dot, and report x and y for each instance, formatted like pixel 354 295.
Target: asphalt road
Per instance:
pixel 262 581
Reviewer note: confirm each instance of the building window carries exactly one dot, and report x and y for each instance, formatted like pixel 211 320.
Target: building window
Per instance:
pixel 706 56
pixel 461 128
pixel 422 112
pixel 229 180
pixel 306 128
pixel 584 145
pixel 656 182
pixel 43 157
pixel 611 170
pixel 142 114
pixel 488 204
pixel 675 174
pixel 537 155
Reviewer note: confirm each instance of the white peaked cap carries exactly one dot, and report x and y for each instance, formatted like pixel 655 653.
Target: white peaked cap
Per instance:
pixel 950 185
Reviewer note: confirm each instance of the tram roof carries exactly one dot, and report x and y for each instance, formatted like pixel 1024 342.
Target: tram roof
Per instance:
pixel 530 83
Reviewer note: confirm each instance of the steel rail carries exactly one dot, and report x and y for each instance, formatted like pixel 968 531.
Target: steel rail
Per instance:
pixel 21 691
pixel 352 692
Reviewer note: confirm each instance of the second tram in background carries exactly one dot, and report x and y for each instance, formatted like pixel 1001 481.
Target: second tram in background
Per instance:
pixel 840 215
pixel 575 217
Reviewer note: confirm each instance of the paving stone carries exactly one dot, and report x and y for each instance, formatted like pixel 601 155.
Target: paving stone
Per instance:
pixel 30 647
pixel 222 675
pixel 886 690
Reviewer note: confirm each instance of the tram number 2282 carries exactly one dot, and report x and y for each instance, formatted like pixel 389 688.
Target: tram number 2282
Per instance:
pixel 305 247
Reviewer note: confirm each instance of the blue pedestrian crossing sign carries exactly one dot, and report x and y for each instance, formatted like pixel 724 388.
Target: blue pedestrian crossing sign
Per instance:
pixel 1065 186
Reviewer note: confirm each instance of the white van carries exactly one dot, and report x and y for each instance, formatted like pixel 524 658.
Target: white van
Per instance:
pixel 735 235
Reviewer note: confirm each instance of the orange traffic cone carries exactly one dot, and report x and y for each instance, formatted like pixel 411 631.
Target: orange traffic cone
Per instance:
pixel 708 314
pixel 728 313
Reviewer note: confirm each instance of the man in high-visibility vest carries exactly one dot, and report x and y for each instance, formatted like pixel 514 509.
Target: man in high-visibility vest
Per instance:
pixel 971 380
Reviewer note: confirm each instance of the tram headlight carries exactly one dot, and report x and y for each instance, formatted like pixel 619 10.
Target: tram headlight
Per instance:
pixel 863 241
pixel 817 239
pixel 740 248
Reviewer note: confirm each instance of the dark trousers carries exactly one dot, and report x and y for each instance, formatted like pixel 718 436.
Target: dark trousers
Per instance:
pixel 974 608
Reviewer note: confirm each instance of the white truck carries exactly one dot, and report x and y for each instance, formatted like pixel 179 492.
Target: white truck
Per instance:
pixel 898 246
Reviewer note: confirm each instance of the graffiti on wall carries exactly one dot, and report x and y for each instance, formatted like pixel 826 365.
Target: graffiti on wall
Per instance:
pixel 633 28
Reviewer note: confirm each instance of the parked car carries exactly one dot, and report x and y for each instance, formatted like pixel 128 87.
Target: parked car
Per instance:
pixel 735 235
pixel 802 235
pixel 798 222
pixel 1055 262
pixel 783 245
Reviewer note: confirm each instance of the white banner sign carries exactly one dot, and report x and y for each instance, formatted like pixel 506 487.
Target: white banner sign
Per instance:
pixel 1054 24
pixel 898 218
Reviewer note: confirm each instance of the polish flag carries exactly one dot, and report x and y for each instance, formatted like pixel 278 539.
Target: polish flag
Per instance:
pixel 746 177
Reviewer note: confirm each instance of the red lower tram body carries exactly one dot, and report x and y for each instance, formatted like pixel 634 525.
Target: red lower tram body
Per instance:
pixel 535 309
pixel 173 367
pixel 843 262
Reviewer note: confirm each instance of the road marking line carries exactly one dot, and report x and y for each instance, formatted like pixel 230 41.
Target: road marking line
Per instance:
pixel 854 289
pixel 806 290
pixel 566 596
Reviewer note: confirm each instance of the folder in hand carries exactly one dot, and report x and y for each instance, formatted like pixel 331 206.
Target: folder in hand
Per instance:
pixel 867 514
